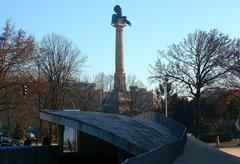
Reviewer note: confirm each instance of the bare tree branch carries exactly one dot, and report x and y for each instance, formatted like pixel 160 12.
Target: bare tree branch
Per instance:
pixel 195 62
pixel 60 61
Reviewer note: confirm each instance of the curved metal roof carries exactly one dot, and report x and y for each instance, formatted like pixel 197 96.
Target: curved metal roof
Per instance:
pixel 130 134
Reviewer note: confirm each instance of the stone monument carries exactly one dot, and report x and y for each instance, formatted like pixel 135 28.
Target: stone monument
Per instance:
pixel 119 99
pixel 119 22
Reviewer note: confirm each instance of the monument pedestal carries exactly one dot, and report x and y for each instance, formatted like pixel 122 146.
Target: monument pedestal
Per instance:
pixel 117 102
pixel 122 102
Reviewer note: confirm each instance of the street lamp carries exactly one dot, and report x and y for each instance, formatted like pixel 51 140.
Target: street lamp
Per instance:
pixel 71 102
pixel 166 96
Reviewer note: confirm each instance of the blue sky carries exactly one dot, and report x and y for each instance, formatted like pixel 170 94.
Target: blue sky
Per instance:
pixel 155 25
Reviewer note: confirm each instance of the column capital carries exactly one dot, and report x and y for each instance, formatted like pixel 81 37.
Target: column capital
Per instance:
pixel 120 23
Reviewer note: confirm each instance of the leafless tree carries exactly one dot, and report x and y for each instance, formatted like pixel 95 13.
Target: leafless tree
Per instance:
pixel 85 96
pixel 233 65
pixel 132 80
pixel 59 60
pixel 104 82
pixel 141 100
pixel 194 63
pixel 85 78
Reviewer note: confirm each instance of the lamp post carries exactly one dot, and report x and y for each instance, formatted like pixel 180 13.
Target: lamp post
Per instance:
pixel 71 102
pixel 166 96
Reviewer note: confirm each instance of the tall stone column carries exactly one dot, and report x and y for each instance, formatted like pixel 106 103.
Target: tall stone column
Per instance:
pixel 118 100
pixel 119 76
pixel 119 93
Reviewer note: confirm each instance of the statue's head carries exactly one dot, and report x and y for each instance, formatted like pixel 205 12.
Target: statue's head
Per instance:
pixel 118 10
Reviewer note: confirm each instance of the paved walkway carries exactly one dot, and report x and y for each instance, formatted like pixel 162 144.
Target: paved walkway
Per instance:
pixel 197 152
pixel 232 150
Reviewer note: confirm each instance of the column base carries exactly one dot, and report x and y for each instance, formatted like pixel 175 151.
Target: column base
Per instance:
pixel 117 102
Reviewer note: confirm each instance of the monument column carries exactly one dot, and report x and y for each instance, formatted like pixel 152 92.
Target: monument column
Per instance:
pixel 119 76
pixel 118 99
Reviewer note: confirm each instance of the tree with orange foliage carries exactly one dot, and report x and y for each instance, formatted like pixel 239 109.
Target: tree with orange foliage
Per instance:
pixel 16 49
